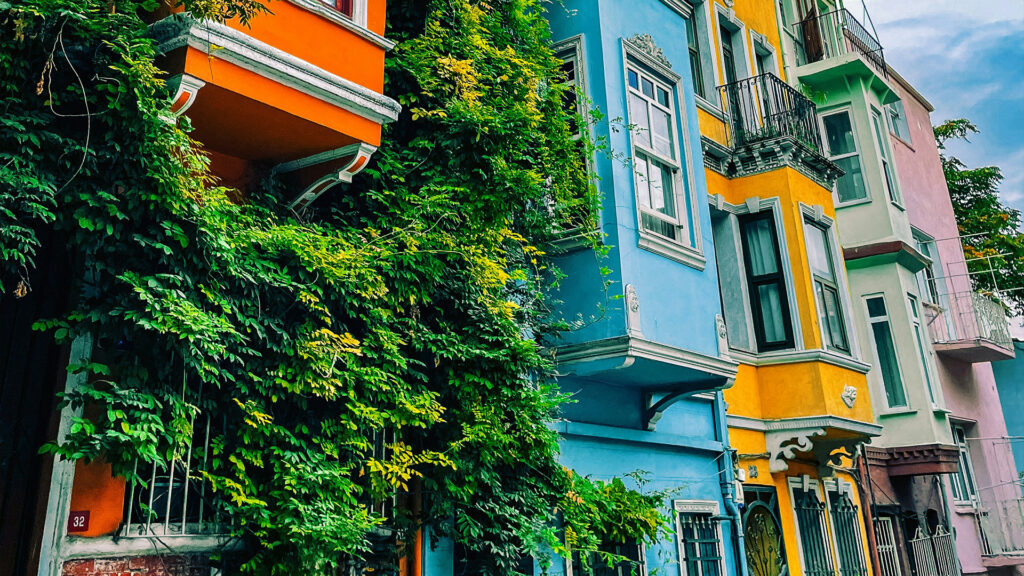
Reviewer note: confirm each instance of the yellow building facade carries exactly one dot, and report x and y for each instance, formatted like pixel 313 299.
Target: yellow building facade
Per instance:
pixel 799 409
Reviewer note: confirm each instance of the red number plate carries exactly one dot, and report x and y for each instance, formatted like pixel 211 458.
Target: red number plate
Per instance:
pixel 78 521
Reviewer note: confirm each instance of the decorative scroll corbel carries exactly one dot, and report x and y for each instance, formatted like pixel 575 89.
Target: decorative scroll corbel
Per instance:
pixel 346 162
pixel 185 87
pixel 830 453
pixel 656 409
pixel 783 446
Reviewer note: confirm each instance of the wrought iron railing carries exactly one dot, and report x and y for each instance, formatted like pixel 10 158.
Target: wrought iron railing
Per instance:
pixel 1002 526
pixel 764 107
pixel 835 34
pixel 970 316
pixel 889 562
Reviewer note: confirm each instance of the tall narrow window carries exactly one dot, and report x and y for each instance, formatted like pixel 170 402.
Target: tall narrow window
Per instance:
pixel 915 316
pixel 898 120
pixel 700 540
pixel 965 488
pixel 766 282
pixel 826 288
pixel 883 151
pixel 812 524
pixel 842 149
pixel 652 119
pixel 926 281
pixel 885 353
pixel 696 67
pixel 849 543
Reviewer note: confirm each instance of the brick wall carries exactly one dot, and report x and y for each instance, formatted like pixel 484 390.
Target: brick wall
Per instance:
pixel 140 566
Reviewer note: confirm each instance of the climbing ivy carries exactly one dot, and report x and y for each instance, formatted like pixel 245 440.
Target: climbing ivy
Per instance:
pixel 405 309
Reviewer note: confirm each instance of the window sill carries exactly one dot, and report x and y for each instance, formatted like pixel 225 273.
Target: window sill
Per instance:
pixel 898 412
pixel 357 28
pixel 902 141
pixel 710 108
pixel 965 507
pixel 672 250
pixel 853 203
pixel 898 206
pixel 941 410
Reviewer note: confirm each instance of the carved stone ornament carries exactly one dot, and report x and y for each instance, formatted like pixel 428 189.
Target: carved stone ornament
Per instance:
pixel 849 396
pixel 632 311
pixel 723 334
pixel 645 43
pixel 783 446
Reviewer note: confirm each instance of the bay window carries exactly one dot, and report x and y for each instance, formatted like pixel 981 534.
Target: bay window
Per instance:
pixel 888 173
pixel 766 282
pixel 841 147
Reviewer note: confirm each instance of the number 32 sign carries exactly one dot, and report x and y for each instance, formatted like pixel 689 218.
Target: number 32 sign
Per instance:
pixel 78 521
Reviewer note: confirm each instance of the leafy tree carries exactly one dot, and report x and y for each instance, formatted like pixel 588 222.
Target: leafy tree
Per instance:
pixel 990 231
pixel 402 310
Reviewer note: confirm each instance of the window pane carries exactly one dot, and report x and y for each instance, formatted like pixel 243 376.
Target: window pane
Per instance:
pixel 817 252
pixel 850 185
pixel 760 245
pixel 661 130
pixel 633 78
pixel 663 97
pixel 770 302
pixel 839 134
pixel 639 120
pixel 832 317
pixel 876 307
pixel 643 180
pixel 647 87
pixel 924 362
pixel 876 120
pixel 888 364
pixel 661 190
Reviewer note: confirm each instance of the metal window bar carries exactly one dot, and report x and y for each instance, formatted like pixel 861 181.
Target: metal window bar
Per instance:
pixel 172 500
pixel 850 544
pixel 1002 526
pixel 924 559
pixel 811 521
pixel 974 316
pixel 888 552
pixel 837 33
pixel 702 544
pixel 764 107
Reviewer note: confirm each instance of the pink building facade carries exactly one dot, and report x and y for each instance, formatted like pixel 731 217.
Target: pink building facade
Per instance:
pixel 967 331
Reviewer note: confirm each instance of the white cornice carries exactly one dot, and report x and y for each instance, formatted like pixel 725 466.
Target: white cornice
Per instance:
pixel 799 356
pixel 681 7
pixel 234 46
pixel 631 347
pixel 804 423
pixel 324 11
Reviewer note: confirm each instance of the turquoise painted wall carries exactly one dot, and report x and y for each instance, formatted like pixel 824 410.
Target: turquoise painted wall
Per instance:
pixel 1010 383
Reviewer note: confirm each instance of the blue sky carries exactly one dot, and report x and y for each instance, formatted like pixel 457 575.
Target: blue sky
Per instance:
pixel 967 58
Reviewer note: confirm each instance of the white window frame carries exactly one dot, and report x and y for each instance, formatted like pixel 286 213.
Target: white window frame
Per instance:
pixel 891 114
pixel 830 243
pixel 963 455
pixel 895 349
pixel 739 35
pixel 806 483
pixel 879 127
pixel 571 50
pixel 710 102
pixel 763 48
pixel 857 152
pixel 843 487
pixel 689 251
pixel 702 507
pixel 923 351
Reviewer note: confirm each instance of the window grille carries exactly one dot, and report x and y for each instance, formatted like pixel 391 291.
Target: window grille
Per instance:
pixel 888 552
pixel 174 500
pixel 935 555
pixel 813 529
pixel 849 543
pixel 700 537
pixel 633 565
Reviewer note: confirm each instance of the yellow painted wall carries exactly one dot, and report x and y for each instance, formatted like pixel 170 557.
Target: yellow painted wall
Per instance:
pixel 756 15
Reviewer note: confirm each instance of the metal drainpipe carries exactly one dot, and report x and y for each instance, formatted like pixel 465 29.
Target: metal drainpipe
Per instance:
pixel 729 490
pixel 869 511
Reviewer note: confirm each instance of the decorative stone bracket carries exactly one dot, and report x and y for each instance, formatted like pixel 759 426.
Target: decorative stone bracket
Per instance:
pixel 184 87
pixel 344 163
pixel 828 452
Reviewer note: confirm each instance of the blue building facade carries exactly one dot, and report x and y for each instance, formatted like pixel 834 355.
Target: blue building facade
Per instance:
pixel 645 363
pixel 1010 384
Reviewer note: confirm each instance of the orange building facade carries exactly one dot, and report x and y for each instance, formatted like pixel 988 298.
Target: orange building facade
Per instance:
pixel 296 93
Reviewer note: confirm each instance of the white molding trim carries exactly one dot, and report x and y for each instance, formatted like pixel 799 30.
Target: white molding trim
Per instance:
pixel 696 507
pixel 58 504
pixel 682 7
pixel 804 422
pixel 357 25
pixel 632 348
pixel 797 356
pixel 672 250
pixel 107 547
pixel 186 87
pixel 785 437
pixel 238 48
